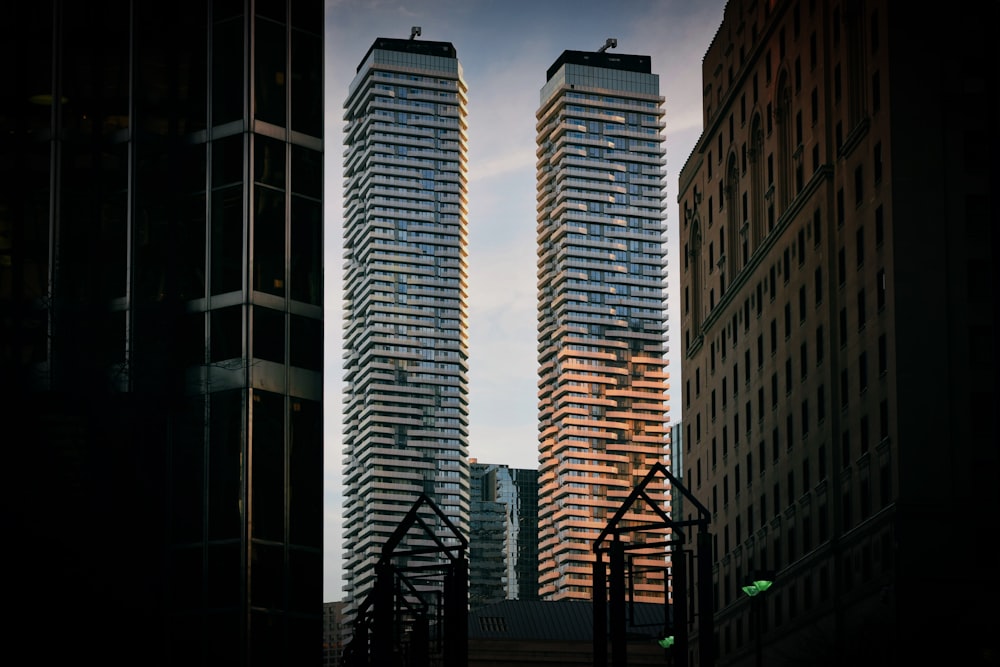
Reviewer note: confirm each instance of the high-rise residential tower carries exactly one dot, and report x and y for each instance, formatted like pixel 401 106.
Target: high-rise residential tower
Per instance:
pixel 405 301
pixel 839 328
pixel 161 318
pixel 602 326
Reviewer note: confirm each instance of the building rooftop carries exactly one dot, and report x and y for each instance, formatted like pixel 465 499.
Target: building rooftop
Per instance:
pixel 629 63
pixel 561 620
pixel 419 47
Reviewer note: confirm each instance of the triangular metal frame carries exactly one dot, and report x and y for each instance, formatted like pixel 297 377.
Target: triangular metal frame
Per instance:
pixel 640 491
pixel 389 599
pixel 614 595
pixel 413 517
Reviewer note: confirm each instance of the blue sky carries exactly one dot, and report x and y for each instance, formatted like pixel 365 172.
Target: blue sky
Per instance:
pixel 505 48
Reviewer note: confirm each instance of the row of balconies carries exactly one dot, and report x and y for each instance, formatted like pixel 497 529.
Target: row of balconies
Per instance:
pixel 402 135
pixel 585 185
pixel 551 130
pixel 635 134
pixel 635 156
pixel 604 115
pixel 620 104
pixel 568 160
pixel 376 101
pixel 408 80
pixel 422 94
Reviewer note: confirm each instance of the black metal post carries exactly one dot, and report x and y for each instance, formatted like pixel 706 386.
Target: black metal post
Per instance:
pixel 678 565
pixel 383 634
pixel 420 642
pixel 619 652
pixel 456 587
pixel 600 612
pixel 706 611
pixel 756 604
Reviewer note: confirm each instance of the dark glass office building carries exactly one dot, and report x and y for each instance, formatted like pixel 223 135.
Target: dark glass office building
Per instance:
pixel 161 320
pixel 503 536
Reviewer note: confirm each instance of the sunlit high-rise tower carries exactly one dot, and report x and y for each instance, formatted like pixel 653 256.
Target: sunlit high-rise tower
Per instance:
pixel 602 327
pixel 405 301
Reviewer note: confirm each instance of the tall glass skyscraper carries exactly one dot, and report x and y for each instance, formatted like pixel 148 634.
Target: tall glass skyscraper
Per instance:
pixel 161 319
pixel 602 327
pixel 503 544
pixel 406 405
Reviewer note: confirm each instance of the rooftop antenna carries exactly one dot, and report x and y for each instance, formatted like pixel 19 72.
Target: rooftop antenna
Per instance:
pixel 414 31
pixel 609 43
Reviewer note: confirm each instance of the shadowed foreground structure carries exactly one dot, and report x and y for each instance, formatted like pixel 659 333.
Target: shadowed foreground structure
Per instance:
pixel 161 318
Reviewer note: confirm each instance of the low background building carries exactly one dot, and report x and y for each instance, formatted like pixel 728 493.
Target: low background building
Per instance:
pixel 538 633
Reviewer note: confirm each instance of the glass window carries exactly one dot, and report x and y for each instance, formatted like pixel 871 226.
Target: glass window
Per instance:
pixel 226 333
pixel 193 339
pixel 307 83
pixel 187 472
pixel 227 161
pixel 268 334
pixel 269 161
pixel 269 241
pixel 192 248
pixel 227 240
pixel 307 15
pixel 306 343
pixel 272 9
pixel 152 237
pixel 227 71
pixel 305 449
pixel 266 587
pixel 223 579
pixel 307 173
pixel 269 72
pixel 267 460
pixel 225 449
pixel 186 577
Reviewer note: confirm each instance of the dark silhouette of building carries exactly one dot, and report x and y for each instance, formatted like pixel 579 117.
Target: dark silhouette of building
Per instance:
pixel 838 326
pixel 161 321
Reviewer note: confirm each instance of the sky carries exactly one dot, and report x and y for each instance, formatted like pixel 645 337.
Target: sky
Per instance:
pixel 505 48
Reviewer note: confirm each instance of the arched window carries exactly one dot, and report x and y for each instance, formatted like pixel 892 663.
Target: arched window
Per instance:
pixel 734 219
pixel 694 253
pixel 783 123
pixel 757 184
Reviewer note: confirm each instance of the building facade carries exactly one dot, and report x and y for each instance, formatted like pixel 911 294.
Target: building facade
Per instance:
pixel 162 318
pixel 837 285
pixel 602 329
pixel 333 634
pixel 489 546
pixel 503 540
pixel 520 491
pixel 406 405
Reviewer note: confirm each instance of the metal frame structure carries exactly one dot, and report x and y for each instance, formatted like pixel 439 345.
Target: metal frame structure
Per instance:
pixel 404 619
pixel 612 593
